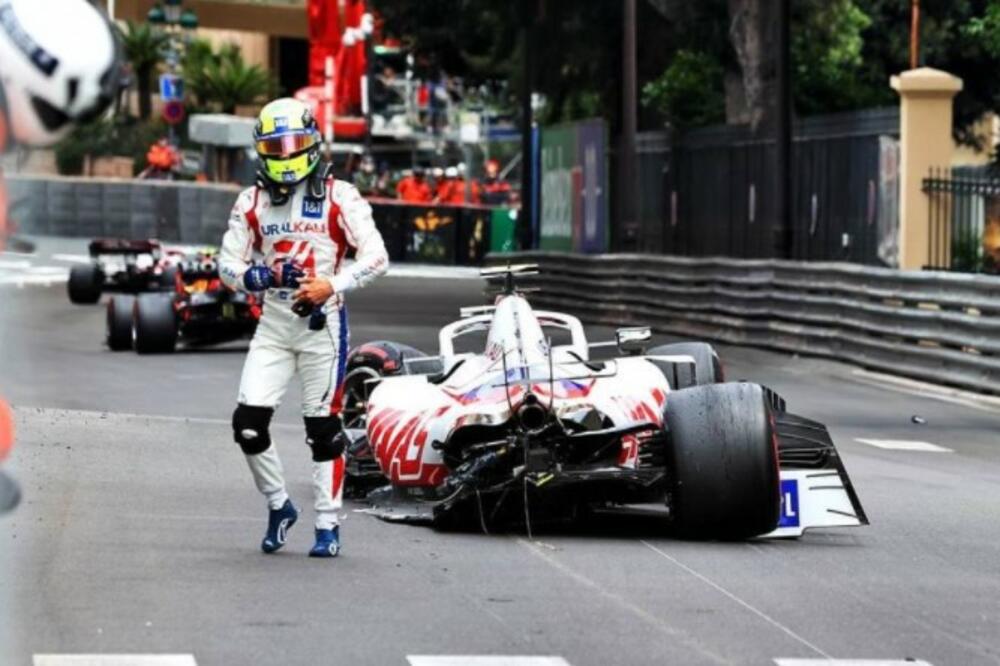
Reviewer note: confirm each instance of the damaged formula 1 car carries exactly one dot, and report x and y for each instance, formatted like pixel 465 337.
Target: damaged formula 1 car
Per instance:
pixel 531 432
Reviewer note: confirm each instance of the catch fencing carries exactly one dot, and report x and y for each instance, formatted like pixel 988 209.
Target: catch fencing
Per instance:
pixel 938 327
pixel 196 213
pixel 711 191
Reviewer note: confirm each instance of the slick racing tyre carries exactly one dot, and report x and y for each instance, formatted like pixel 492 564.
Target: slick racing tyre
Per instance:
pixel 119 323
pixel 370 361
pixel 707 366
pixel 722 462
pixel 155 324
pixel 85 283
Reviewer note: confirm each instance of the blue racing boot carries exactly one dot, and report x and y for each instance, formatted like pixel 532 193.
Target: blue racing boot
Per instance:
pixel 279 521
pixel 327 543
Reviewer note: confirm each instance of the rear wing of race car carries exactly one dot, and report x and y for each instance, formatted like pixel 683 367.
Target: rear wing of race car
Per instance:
pixel 121 246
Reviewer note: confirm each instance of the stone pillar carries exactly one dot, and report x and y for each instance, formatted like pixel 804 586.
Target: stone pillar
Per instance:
pixel 925 142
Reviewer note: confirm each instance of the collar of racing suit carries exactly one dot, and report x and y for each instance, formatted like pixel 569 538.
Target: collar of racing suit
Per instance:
pixel 280 194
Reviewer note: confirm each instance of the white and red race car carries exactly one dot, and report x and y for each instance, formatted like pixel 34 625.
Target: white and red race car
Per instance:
pixel 533 430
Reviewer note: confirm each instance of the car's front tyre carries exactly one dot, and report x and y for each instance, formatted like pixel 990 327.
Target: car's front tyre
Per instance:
pixel 722 462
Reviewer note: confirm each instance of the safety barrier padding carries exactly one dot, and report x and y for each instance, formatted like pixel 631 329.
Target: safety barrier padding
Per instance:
pixel 934 326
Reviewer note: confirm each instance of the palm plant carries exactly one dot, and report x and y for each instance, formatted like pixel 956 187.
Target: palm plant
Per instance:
pixel 223 79
pixel 143 45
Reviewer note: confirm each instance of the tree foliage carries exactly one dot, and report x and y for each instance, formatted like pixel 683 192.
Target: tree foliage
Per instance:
pixel 143 45
pixel 222 79
pixel 688 91
pixel 844 52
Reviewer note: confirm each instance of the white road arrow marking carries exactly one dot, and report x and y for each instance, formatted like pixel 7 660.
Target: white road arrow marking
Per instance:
pixel 904 445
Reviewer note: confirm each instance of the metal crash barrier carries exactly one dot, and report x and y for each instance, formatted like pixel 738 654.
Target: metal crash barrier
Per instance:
pixel 935 326
pixel 197 213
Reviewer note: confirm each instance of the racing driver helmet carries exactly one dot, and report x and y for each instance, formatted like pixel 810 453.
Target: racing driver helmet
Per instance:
pixel 59 65
pixel 287 140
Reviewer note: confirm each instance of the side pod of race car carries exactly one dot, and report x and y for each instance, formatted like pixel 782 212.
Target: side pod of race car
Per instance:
pixel 529 432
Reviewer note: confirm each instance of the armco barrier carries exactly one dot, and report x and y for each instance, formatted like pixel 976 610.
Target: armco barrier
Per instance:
pixel 939 327
pixel 198 213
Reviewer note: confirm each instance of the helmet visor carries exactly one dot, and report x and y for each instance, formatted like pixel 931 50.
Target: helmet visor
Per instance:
pixel 288 144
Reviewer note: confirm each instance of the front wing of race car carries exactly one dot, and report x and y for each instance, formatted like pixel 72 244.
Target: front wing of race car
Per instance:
pixel 815 488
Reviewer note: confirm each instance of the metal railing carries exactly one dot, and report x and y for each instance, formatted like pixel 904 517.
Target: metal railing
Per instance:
pixel 939 327
pixel 964 219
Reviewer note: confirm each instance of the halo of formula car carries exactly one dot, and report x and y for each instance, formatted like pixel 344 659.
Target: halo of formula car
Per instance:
pixel 528 432
pixel 161 296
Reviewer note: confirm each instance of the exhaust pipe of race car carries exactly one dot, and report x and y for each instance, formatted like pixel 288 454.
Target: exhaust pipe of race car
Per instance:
pixel 532 415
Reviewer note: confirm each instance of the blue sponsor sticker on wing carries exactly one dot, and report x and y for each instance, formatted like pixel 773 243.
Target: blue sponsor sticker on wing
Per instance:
pixel 789 503
pixel 312 208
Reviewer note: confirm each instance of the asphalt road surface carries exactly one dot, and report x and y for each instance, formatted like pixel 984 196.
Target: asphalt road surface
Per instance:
pixel 139 529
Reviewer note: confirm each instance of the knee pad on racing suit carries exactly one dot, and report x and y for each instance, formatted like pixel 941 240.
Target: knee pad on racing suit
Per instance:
pixel 322 436
pixel 250 428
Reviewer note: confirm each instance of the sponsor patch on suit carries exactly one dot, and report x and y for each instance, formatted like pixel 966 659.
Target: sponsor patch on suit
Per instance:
pixel 312 208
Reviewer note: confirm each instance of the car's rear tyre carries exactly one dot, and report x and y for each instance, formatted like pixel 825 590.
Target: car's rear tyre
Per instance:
pixel 707 365
pixel 119 323
pixel 85 284
pixel 722 462
pixel 155 324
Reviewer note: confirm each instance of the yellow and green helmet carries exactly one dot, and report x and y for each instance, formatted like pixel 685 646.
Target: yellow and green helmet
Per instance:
pixel 287 140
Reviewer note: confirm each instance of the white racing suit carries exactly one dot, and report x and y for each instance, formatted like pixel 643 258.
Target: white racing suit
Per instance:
pixel 314 234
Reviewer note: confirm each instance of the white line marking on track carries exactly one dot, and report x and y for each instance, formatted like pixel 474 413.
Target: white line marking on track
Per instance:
pixel 849 662
pixel 753 609
pixel 920 389
pixel 72 258
pixel 439 272
pixel 91 413
pixel 114 660
pixel 903 445
pixel 491 660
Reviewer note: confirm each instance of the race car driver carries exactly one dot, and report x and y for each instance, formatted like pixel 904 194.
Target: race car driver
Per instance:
pixel 302 222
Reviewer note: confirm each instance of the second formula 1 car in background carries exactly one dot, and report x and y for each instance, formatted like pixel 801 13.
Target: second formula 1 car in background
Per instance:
pixel 197 310
pixel 123 266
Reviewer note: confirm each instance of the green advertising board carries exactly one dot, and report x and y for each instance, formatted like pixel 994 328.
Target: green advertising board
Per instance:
pixel 574 186
pixel 503 230
pixel 558 159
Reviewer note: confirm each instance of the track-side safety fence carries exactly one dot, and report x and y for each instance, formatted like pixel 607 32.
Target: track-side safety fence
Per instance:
pixel 934 326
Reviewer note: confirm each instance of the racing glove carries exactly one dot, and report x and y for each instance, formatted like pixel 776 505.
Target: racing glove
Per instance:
pixel 288 276
pixel 261 278
pixel 258 278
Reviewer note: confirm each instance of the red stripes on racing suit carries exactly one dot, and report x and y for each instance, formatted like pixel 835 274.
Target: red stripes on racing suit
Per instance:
pixel 254 222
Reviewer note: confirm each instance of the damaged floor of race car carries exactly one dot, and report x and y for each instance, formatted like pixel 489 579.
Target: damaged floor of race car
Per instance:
pixel 138 534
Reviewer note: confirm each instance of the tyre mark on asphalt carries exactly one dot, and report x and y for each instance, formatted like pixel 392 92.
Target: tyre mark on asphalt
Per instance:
pixel 738 600
pixel 656 622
